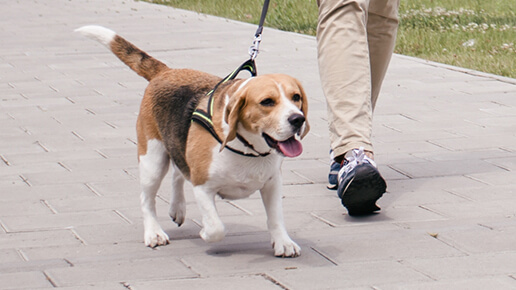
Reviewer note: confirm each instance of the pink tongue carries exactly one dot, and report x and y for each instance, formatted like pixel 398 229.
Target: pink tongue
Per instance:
pixel 290 147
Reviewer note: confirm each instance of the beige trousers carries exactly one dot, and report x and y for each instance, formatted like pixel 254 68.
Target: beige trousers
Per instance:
pixel 355 41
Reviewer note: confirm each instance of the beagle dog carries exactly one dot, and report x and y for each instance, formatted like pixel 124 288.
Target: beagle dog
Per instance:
pixel 257 121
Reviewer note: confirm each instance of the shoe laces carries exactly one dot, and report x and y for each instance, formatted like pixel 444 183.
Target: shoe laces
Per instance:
pixel 353 159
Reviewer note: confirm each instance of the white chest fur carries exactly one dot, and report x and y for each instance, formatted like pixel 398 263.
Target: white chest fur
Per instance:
pixel 234 176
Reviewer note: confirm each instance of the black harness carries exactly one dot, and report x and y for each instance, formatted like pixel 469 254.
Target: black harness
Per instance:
pixel 204 118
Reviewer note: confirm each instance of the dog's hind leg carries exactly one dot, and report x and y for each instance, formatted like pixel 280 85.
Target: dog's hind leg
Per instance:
pixel 177 209
pixel 153 165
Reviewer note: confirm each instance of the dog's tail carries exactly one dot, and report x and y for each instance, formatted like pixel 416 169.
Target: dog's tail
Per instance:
pixel 139 61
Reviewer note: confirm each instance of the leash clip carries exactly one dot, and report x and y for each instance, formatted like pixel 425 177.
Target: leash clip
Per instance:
pixel 254 48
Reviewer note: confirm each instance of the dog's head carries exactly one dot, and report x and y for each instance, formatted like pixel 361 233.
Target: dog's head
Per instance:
pixel 274 107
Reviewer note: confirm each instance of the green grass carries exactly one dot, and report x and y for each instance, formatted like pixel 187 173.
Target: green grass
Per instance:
pixel 475 34
pixel 289 15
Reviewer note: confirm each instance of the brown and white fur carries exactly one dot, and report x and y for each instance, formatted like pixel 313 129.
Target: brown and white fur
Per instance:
pixel 268 111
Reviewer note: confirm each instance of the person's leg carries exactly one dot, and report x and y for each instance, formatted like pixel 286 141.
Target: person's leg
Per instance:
pixel 344 68
pixel 355 43
pixel 382 26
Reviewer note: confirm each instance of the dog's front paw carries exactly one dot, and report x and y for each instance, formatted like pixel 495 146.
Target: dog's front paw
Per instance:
pixel 213 234
pixel 154 238
pixel 286 248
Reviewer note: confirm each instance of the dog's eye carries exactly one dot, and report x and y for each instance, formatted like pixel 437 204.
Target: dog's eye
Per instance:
pixel 296 98
pixel 267 102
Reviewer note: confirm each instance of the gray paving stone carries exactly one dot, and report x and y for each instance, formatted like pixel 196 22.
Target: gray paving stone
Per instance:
pixel 446 168
pixel 59 221
pixel 495 178
pixel 391 214
pixel 507 163
pixel 25 194
pixel 414 146
pixel 385 158
pixel 101 163
pixel 437 183
pixel 495 154
pixel 33 207
pixel 38 239
pixel 497 282
pixel 251 282
pixel 348 275
pixel 24 169
pixel 472 266
pixel 482 194
pixel 24 280
pixel 424 197
pixel 116 271
pixel 476 142
pixel 31 266
pixel 93 203
pixel 497 208
pixel 48 178
pixel 97 285
pixel 10 255
pixel 129 188
pixel 443 139
pixel 107 251
pixel 467 239
pixel 377 247
pixel 111 233
pixel 242 259
pixel 28 159
pixel 312 170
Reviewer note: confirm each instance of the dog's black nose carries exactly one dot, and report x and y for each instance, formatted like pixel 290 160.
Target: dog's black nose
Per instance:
pixel 296 120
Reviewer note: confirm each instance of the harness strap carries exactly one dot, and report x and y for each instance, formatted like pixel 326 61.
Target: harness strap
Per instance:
pixel 204 118
pixel 248 65
pixel 201 118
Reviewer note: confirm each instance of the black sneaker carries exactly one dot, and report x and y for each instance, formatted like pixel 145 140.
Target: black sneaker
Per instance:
pixel 360 183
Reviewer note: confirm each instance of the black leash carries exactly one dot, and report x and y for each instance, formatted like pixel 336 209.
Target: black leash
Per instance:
pixel 204 118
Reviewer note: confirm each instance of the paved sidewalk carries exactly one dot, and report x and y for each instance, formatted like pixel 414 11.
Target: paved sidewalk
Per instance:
pixel 69 211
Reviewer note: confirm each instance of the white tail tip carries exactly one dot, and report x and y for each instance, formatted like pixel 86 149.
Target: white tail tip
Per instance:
pixel 98 33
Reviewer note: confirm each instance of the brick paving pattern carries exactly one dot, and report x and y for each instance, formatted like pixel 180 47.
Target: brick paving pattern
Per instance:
pixel 69 213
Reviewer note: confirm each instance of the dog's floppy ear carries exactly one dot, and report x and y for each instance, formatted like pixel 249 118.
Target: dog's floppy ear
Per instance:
pixel 304 109
pixel 232 115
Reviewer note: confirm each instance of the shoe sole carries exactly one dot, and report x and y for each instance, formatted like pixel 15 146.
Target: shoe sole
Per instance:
pixel 363 191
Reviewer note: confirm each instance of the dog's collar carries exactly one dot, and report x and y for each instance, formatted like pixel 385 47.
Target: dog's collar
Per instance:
pixel 204 118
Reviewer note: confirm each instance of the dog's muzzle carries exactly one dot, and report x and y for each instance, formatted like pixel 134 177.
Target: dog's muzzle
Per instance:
pixel 290 147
